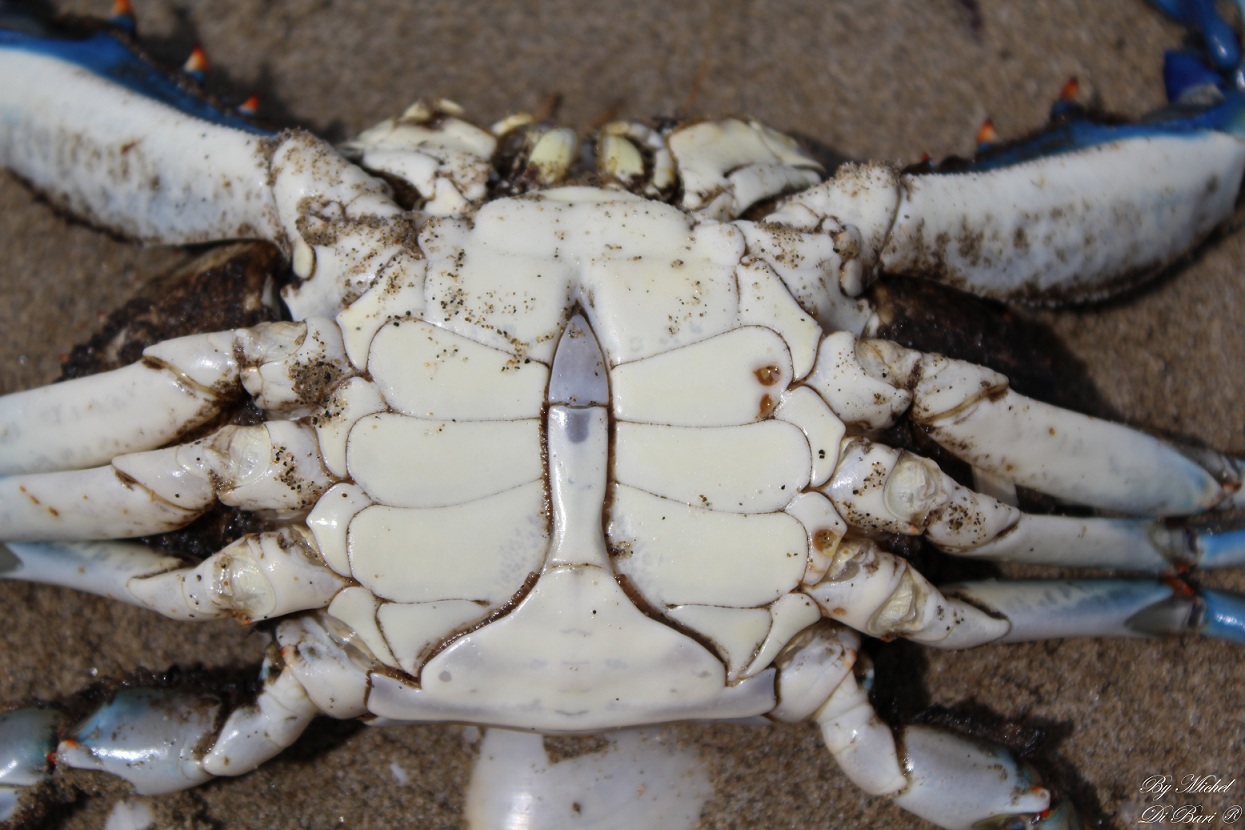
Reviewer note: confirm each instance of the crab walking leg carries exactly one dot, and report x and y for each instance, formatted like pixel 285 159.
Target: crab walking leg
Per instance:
pixel 87 421
pixel 1126 544
pixel 178 385
pixel 164 739
pixel 948 779
pixel 881 594
pixel 971 411
pixel 103 568
pixel 884 490
pixel 159 739
pixel 258 577
pixel 275 466
pixel 1051 609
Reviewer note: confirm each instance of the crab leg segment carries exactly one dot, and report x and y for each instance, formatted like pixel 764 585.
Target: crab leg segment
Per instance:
pixel 1050 609
pixel 1019 229
pixel 1077 211
pixel 27 738
pixel 971 411
pixel 159 739
pixel 883 490
pixel 1127 544
pixel 103 568
pixel 258 577
pixel 880 594
pixel 948 779
pixel 94 126
pixel 274 466
pixel 180 384
pixel 1074 457
pixel 96 99
pixel 90 420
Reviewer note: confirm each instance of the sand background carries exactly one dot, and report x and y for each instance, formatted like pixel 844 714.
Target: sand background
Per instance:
pixel 883 80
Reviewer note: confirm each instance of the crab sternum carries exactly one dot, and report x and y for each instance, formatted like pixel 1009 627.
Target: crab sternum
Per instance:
pixel 576 473
pixel 576 653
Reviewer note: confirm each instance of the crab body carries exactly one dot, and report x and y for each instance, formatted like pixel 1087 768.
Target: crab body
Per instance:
pixel 636 399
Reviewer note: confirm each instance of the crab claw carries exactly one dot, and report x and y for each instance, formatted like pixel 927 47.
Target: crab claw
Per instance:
pixel 26 740
pixel 1219 41
pixel 1060 816
pixel 953 779
pixel 169 165
pixel 149 737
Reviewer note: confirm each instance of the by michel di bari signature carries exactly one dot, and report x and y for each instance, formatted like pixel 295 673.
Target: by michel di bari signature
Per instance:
pixel 1190 811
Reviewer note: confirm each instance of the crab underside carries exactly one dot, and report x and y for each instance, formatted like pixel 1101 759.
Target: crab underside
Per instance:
pixel 571 433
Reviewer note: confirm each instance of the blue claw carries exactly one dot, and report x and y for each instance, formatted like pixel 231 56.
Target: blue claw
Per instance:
pixel 1224 616
pixel 1217 35
pixel 1206 90
pixel 149 737
pixel 1186 77
pixel 27 737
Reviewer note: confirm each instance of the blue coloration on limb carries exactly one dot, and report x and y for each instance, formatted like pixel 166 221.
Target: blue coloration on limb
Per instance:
pixel 1225 616
pixel 106 55
pixel 1205 89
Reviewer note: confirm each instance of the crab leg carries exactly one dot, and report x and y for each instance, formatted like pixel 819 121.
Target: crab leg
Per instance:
pixel 1014 225
pixel 180 384
pixel 1052 609
pixel 971 411
pixel 90 420
pixel 882 595
pixel 884 490
pixel 159 739
pixel 1077 211
pixel 258 577
pixel 136 119
pixel 948 779
pixel 95 127
pixel 1127 544
pixel 102 568
pixel 274 466
pixel 26 738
